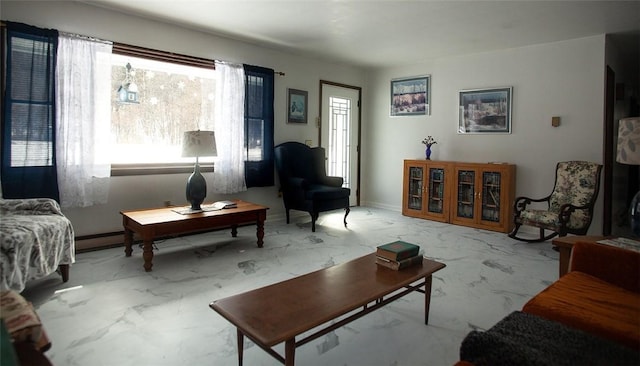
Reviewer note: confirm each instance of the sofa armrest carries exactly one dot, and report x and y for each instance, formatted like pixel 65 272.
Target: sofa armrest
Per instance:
pixel 618 266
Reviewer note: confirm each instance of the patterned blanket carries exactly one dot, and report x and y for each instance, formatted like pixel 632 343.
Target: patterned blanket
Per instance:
pixel 35 238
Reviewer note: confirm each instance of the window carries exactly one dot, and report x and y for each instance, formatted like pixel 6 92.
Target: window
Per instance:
pixel 31 100
pixel 258 118
pixel 164 99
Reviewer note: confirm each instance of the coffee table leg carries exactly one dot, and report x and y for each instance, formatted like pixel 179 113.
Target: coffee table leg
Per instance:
pixel 427 298
pixel 234 231
pixel 147 253
pixel 260 233
pixel 240 346
pixel 290 352
pixel 128 241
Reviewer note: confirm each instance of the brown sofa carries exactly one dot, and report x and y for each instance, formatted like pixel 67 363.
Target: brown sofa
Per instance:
pixel 598 299
pixel 599 295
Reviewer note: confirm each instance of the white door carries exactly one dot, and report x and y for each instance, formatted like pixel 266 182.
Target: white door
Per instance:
pixel 339 133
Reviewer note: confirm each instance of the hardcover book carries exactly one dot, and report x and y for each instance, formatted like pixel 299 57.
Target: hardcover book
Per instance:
pixel 398 265
pixel 398 250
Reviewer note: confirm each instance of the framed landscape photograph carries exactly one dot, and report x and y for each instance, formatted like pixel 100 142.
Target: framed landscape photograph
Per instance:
pixel 411 96
pixel 297 106
pixel 485 110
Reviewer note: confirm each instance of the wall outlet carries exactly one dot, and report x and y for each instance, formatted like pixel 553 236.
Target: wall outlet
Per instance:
pixel 308 142
pixel 167 203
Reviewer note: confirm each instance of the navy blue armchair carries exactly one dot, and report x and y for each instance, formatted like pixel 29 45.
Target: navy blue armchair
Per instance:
pixel 304 183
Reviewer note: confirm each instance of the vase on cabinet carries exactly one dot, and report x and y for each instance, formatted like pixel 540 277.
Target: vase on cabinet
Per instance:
pixel 428 153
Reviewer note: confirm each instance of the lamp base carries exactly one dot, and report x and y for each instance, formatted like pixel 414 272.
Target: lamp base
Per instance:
pixel 196 188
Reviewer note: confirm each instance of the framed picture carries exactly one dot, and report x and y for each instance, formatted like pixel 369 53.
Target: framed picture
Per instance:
pixel 297 106
pixel 411 96
pixel 485 110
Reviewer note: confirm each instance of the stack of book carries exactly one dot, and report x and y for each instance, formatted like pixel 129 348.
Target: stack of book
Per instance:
pixel 398 255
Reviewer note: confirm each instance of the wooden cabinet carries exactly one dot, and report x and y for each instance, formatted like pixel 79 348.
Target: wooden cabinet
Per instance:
pixel 426 189
pixel 470 194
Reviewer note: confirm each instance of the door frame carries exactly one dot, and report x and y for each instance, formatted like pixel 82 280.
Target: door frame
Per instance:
pixel 359 123
pixel 608 151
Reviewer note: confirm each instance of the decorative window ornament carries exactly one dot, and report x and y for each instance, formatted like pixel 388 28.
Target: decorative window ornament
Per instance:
pixel 128 90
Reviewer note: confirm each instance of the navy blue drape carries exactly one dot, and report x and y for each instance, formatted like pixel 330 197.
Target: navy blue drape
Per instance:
pixel 259 120
pixel 28 112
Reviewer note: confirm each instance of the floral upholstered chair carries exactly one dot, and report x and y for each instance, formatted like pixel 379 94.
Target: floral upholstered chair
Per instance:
pixel 569 206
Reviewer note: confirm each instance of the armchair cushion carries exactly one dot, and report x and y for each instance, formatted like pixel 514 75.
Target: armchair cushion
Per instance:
pixel 575 184
pixel 551 218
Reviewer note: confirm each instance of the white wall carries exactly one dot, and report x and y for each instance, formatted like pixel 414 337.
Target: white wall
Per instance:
pixel 563 79
pixel 151 191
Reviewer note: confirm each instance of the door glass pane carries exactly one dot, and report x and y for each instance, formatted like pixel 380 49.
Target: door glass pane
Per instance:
pixel 436 190
pixel 415 188
pixel 339 139
pixel 466 192
pixel 491 196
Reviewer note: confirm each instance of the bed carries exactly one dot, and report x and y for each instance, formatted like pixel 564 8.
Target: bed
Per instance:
pixel 36 239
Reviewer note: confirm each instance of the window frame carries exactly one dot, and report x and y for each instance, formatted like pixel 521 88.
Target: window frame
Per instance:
pixel 170 57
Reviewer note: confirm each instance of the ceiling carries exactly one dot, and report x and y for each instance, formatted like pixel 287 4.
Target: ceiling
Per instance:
pixel 381 33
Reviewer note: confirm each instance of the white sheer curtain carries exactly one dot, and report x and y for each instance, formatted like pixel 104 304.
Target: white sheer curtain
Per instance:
pixel 229 128
pixel 83 119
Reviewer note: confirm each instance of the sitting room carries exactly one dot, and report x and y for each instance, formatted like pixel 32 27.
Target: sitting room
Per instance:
pixel 307 135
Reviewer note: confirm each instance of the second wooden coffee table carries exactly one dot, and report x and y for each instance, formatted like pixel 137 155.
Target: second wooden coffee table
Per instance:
pixel 158 222
pixel 280 312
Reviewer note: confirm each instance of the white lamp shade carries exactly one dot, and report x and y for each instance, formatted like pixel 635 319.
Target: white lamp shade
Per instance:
pixel 629 141
pixel 199 143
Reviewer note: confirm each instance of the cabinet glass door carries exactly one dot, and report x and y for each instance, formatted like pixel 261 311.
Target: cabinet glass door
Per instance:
pixel 466 192
pixel 436 190
pixel 491 196
pixel 415 188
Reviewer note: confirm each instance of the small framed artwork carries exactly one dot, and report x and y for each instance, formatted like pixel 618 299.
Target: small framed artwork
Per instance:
pixel 297 106
pixel 411 96
pixel 485 111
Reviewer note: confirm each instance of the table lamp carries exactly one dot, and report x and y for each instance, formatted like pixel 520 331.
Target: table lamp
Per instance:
pixel 197 144
pixel 629 153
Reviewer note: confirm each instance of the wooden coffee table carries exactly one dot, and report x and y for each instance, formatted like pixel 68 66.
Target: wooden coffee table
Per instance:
pixel 158 222
pixel 280 312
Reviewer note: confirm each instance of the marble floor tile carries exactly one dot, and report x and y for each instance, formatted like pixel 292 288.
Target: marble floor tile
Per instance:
pixel 112 312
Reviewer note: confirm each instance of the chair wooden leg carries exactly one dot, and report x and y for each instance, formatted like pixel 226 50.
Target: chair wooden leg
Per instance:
pixel 346 212
pixel 314 217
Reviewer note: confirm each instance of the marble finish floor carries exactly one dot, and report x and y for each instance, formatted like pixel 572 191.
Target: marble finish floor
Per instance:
pixel 112 312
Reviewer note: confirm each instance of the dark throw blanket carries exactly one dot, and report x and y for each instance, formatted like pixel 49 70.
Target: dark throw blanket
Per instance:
pixel 528 340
